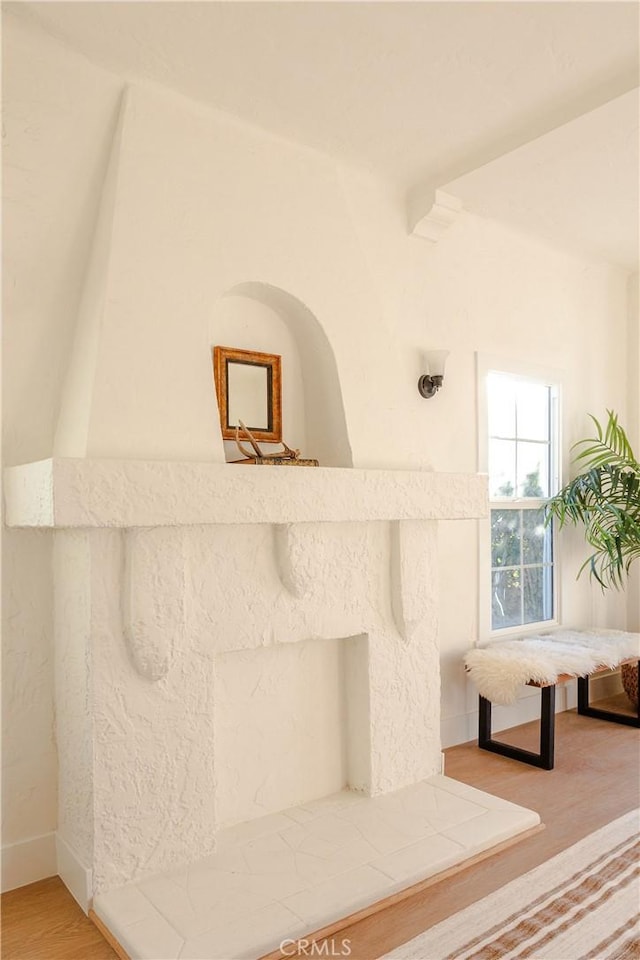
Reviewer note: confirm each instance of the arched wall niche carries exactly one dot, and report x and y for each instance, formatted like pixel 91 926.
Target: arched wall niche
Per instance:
pixel 258 316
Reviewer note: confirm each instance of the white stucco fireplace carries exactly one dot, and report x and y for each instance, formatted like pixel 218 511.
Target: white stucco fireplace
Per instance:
pixel 233 642
pixel 174 578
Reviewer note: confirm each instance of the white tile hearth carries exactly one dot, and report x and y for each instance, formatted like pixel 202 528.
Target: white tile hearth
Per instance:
pixel 291 873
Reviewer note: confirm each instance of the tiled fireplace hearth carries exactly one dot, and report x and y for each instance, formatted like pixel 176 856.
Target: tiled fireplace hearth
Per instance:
pixel 293 873
pixel 187 591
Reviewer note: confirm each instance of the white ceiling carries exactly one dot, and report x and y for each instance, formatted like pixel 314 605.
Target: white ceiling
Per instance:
pixel 577 186
pixel 414 91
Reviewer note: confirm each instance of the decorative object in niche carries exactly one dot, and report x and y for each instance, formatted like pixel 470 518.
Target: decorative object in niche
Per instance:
pixel 283 458
pixel 429 383
pixel 249 386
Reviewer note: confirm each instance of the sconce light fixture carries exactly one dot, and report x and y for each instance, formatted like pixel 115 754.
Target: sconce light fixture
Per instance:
pixel 429 383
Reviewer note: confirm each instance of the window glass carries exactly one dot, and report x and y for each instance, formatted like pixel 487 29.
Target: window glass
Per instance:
pixel 506 540
pixel 533 411
pixel 532 469
pixel 537 594
pixel 506 599
pixel 521 441
pixel 502 406
pixel 536 538
pixel 502 468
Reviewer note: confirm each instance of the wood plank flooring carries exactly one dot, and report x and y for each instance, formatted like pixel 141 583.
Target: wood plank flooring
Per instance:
pixel 44 922
pixel 596 780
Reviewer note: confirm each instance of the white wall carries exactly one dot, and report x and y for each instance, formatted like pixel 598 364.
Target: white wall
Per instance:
pixel 487 288
pixel 204 203
pixel 58 118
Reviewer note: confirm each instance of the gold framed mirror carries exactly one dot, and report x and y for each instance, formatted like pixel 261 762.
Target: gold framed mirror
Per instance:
pixel 249 388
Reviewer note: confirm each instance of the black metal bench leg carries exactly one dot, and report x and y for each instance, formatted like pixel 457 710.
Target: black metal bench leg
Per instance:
pixel 543 759
pixel 585 710
pixel 548 727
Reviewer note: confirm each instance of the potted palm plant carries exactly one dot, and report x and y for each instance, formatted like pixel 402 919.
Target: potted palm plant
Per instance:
pixel 605 499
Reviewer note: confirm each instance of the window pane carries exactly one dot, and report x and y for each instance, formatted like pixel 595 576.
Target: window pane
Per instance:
pixel 502 405
pixel 533 469
pixel 506 592
pixel 536 538
pixel 502 468
pixel 533 411
pixel 505 538
pixel 538 594
pixel 521 439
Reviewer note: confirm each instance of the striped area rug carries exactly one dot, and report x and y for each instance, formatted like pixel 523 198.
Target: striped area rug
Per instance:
pixel 583 904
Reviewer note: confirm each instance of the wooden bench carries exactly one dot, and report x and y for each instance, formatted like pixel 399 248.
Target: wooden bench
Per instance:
pixel 545 756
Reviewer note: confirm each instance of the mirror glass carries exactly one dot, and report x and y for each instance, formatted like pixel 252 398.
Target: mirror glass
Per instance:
pixel 248 395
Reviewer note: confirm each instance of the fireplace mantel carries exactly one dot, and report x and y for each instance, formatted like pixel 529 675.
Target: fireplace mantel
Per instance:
pixel 61 492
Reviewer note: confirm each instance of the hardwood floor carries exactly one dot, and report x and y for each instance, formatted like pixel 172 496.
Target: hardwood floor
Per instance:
pixel 596 780
pixel 43 922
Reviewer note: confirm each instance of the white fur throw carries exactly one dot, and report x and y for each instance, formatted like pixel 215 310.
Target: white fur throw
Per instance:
pixel 501 667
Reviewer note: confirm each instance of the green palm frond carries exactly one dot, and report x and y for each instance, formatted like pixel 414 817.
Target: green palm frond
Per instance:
pixel 605 499
pixel 610 446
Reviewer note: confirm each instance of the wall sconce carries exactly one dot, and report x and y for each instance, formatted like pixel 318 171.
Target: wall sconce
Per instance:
pixel 430 383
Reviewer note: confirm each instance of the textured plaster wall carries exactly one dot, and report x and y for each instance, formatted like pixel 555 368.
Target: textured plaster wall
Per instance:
pixel 228 227
pixel 153 757
pixel 257 694
pixel 28 749
pixel 58 119
pixel 73 623
pixel 344 591
pixel 200 205
pixel 190 702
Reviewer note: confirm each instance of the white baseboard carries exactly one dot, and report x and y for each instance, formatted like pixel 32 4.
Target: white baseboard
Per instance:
pixel 460 729
pixel 28 861
pixel 43 857
pixel 599 688
pixel 77 878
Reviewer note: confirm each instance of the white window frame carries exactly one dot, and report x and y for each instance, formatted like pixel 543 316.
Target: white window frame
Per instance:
pixel 551 378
